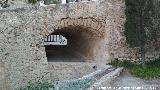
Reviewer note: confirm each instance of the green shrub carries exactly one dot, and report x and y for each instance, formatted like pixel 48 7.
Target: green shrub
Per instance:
pixel 39 86
pixel 81 84
pixel 51 2
pixel 152 69
pixel 32 1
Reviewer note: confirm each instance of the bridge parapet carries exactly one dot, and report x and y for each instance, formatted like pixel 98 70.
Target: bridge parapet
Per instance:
pixel 23 31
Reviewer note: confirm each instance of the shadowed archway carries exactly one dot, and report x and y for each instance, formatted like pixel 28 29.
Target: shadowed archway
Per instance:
pixel 81 45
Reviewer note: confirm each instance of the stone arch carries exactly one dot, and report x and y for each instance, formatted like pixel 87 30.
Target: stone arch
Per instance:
pixel 94 26
pixel 83 34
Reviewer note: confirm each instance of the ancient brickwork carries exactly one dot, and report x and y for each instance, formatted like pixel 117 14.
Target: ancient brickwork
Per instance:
pixel 22 33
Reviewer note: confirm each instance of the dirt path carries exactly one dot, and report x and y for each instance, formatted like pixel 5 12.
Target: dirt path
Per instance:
pixel 128 82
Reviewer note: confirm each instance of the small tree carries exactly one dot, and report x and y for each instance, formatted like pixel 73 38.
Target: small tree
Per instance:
pixel 139 21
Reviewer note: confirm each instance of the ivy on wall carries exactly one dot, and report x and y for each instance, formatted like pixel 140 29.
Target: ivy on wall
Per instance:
pixel 139 24
pixel 138 14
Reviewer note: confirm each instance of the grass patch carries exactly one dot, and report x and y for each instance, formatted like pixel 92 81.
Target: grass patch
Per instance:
pixel 152 69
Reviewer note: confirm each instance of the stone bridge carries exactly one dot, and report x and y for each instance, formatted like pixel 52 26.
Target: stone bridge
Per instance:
pixel 93 30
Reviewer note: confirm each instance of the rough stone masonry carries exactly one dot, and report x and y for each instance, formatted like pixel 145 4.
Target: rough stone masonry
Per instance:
pixel 98 24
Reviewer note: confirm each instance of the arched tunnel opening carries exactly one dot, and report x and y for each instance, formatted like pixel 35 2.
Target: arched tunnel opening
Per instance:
pixel 80 45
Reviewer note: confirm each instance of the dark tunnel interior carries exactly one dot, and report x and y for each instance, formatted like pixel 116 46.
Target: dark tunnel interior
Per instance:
pixel 81 44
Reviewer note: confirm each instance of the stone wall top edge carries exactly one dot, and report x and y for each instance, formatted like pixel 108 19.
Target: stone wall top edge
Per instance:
pixel 18 9
pixel 50 6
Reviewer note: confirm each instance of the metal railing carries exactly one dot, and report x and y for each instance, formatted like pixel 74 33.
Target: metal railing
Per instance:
pixel 55 40
pixel 47 2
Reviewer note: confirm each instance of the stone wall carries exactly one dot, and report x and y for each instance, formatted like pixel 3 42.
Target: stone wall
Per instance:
pixel 23 31
pixel 70 70
pixel 4 77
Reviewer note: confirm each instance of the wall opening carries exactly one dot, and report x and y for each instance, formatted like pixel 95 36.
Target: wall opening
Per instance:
pixel 55 40
pixel 71 44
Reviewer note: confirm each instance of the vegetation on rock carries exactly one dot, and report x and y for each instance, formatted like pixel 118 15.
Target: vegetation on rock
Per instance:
pixel 51 1
pixel 77 84
pixel 151 71
pixel 32 1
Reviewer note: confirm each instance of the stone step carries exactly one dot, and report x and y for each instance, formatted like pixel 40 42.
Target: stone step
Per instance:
pixel 106 79
pixel 103 73
pixel 85 81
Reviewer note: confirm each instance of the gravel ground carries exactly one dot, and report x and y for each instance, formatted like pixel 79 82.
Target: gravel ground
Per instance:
pixel 128 82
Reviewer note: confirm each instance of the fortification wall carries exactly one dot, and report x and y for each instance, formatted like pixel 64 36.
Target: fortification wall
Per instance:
pixel 22 33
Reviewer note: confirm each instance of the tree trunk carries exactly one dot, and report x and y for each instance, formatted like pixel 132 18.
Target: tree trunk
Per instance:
pixel 142 39
pixel 142 51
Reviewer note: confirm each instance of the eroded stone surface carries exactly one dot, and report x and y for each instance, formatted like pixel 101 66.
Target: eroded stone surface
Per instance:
pixel 22 33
